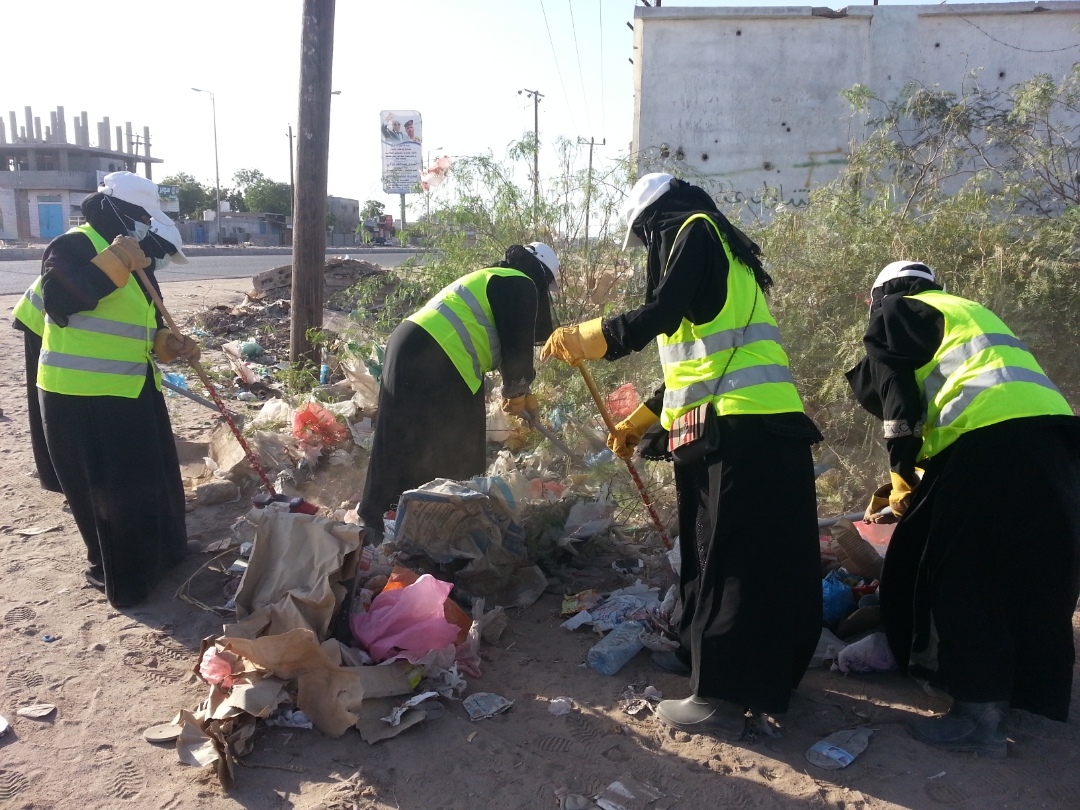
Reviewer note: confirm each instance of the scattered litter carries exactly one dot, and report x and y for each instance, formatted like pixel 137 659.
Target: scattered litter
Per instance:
pixel 572 801
pixel 394 718
pixel 314 424
pixel 579 602
pixel 50 639
pixel 839 749
pixel 828 649
pixel 936 776
pixel 481 705
pixel 179 380
pixel 290 719
pixel 33 531
pixel 471 737
pixel 371 724
pixel 870 654
pixel 627 793
pixel 635 701
pixel 163 732
pixel 406 620
pixel 560 706
pixel 214 492
pixel 4 725
pixel 616 648
pixel 837 598
pixel 633 602
pixel 37 710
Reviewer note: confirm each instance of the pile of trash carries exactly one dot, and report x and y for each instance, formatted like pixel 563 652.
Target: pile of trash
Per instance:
pixel 339 274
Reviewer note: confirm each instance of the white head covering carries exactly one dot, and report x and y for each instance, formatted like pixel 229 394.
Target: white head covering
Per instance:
pixel 646 191
pixel 132 188
pixel 903 270
pixel 547 258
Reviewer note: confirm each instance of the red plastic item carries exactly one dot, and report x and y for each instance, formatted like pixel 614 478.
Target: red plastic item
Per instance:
pixel 622 401
pixel 316 425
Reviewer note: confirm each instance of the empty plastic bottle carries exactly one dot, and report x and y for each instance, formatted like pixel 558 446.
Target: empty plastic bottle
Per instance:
pixel 609 654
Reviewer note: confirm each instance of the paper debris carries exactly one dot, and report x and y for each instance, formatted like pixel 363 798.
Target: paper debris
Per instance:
pixel 37 710
pixel 394 718
pixel 839 750
pixel 371 726
pixel 627 793
pixel 635 701
pixel 32 531
pixel 4 725
pixel 481 705
pixel 290 719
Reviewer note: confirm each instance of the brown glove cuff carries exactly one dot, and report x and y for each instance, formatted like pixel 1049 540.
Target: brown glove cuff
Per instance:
pixel 113 266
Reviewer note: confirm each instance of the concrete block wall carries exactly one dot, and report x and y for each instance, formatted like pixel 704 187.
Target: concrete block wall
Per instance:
pixel 8 231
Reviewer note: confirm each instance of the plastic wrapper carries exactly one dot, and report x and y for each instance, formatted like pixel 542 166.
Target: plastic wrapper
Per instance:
pixel 408 620
pixel 837 598
pixel 315 425
pixel 870 654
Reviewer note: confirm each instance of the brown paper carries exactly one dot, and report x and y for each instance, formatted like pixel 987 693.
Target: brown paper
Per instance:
pixel 373 728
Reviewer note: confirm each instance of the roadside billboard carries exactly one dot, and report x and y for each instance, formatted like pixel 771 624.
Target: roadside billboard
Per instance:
pixel 402 155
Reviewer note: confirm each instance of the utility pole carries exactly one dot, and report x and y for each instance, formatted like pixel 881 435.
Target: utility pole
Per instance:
pixel 312 153
pixel 292 175
pixel 535 95
pixel 217 174
pixel 588 188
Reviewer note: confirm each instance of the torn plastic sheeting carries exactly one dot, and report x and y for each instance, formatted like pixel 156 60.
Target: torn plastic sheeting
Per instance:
pixel 234 355
pixel 276 412
pixel 828 648
pixel 633 602
pixel 394 718
pixel 296 569
pixel 359 377
pixel 839 749
pixel 315 425
pixel 627 793
pixel 870 654
pixel 588 518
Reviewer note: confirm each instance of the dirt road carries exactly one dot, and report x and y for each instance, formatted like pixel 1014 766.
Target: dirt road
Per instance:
pixel 112 673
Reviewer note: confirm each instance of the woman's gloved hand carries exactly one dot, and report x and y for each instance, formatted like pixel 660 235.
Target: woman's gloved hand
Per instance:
pixel 572 344
pixel 169 347
pixel 515 406
pixel 878 501
pixel 120 259
pixel 629 431
pixel 900 497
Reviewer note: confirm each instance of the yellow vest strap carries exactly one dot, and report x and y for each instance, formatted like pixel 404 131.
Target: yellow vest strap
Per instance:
pixel 988 379
pixel 718 342
pixel 951 362
pixel 77 362
pixel 732 381
pixel 103 326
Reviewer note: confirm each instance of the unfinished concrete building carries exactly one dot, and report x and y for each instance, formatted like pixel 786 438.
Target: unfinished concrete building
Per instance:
pixel 45 174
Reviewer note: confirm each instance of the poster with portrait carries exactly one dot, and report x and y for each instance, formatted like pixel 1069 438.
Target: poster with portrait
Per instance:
pixel 402 155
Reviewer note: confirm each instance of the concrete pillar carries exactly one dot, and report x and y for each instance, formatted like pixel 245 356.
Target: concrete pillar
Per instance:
pixel 146 152
pixel 61 133
pixel 48 135
pixel 130 145
pixel 37 130
pixel 28 113
pixel 3 133
pixel 119 139
pixel 14 126
pixel 53 129
pixel 85 129
pixel 106 130
pixel 64 165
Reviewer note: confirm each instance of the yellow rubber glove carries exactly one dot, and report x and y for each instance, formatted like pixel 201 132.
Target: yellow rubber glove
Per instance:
pixel 629 431
pixel 878 501
pixel 900 497
pixel 571 344
pixel 514 406
pixel 120 259
pixel 169 347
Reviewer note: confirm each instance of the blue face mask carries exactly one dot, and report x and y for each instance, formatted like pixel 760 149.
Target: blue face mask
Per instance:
pixel 141 230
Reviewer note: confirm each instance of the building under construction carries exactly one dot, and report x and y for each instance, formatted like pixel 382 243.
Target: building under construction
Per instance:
pixel 44 174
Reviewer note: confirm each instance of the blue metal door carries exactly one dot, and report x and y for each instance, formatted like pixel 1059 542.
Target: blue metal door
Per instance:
pixel 50 219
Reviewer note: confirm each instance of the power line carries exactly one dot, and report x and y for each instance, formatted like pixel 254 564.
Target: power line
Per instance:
pixel 580 72
pixel 566 96
pixel 1017 47
pixel 603 105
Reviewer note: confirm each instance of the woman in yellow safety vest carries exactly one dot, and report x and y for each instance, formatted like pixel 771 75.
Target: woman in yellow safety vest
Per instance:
pixel 982 573
pixel 432 420
pixel 751 579
pixel 104 422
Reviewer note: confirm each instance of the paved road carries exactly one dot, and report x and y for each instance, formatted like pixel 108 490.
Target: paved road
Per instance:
pixel 15 277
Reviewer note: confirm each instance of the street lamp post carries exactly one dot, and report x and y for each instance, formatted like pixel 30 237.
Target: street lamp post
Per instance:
pixel 217 175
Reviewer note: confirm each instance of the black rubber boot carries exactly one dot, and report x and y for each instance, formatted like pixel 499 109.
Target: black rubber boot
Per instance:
pixel 95 576
pixel 704 716
pixel 972 727
pixel 670 663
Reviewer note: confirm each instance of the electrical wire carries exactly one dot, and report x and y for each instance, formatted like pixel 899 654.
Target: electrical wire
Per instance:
pixel 581 73
pixel 1017 47
pixel 566 97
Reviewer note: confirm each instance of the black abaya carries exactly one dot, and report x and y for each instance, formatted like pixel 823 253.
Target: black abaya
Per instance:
pixel 983 572
pixel 46 473
pixel 751 566
pixel 116 460
pixel 430 425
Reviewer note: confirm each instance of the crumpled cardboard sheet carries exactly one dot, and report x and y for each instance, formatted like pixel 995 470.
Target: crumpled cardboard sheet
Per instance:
pixel 449 522
pixel 326 692
pixel 293 579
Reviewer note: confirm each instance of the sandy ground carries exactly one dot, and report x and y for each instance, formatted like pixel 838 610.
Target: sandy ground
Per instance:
pixel 113 673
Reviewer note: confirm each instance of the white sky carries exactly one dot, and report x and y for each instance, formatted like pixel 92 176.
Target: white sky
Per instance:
pixel 460 64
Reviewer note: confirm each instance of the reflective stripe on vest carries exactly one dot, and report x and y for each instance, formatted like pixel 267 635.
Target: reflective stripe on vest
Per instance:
pixel 980 375
pixel 31 308
pixel 104 351
pixel 460 320
pixel 736 361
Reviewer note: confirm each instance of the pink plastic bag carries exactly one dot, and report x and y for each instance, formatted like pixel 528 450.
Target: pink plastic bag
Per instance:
pixel 408 620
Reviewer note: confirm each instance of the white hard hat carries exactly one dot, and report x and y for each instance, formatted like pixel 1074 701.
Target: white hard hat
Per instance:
pixel 547 258
pixel 903 270
pixel 646 191
pixel 137 190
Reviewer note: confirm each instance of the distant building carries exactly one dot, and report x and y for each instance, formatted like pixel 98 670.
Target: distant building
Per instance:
pixel 238 228
pixel 44 176
pixel 741 99
pixel 344 213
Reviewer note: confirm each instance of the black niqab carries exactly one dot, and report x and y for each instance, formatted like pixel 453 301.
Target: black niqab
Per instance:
pixel 524 260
